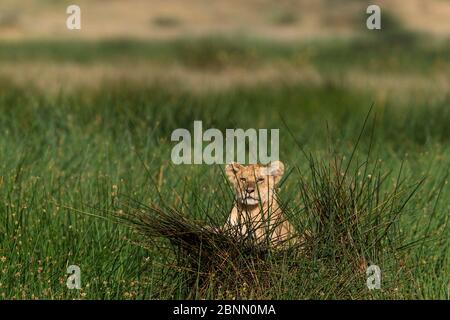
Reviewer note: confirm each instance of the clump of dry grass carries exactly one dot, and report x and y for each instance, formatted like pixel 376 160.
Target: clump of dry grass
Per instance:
pixel 348 210
pixel 351 220
pixel 215 262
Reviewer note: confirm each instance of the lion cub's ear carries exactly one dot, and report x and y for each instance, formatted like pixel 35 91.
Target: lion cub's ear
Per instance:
pixel 276 170
pixel 231 170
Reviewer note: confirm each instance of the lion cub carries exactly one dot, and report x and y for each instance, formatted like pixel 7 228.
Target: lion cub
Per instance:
pixel 256 212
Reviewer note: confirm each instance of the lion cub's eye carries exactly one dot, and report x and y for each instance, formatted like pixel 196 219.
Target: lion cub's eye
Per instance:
pixel 260 180
pixel 243 179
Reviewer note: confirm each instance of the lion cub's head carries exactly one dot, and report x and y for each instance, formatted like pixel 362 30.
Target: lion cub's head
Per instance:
pixel 254 183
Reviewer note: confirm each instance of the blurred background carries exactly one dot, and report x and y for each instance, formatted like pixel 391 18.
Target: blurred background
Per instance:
pixel 162 19
pixel 213 45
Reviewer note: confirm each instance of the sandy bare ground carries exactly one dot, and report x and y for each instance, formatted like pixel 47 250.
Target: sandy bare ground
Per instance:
pixel 431 16
pixel 160 19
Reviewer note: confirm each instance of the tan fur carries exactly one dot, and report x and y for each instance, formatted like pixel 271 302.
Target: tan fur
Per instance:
pixel 256 211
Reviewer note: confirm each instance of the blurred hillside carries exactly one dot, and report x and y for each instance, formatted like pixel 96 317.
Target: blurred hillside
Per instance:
pixel 203 45
pixel 162 19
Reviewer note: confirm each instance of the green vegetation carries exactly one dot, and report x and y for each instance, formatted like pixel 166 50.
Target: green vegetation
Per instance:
pixel 66 158
pixel 375 53
pixel 69 160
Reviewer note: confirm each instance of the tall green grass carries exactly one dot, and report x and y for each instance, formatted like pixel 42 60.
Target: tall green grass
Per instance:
pixel 64 161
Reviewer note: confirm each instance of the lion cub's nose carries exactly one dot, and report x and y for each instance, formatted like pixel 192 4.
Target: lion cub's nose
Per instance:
pixel 250 190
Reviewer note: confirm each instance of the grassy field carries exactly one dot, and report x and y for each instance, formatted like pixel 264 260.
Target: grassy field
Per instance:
pixel 68 159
